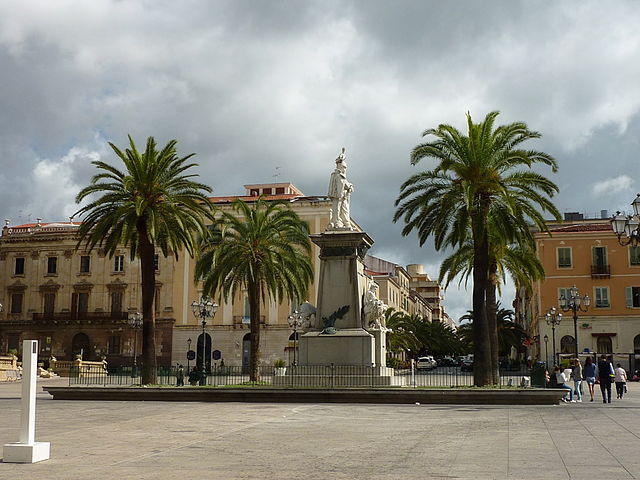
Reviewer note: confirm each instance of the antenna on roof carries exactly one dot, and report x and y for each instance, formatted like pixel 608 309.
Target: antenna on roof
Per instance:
pixel 277 174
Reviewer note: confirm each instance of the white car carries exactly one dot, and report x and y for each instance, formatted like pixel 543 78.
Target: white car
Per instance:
pixel 426 363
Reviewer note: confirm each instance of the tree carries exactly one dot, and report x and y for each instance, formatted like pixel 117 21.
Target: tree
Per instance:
pixel 263 248
pixel 151 203
pixel 477 175
pixel 401 337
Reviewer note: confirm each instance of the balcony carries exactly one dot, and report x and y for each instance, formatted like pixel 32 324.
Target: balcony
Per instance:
pixel 84 316
pixel 600 271
pixel 246 320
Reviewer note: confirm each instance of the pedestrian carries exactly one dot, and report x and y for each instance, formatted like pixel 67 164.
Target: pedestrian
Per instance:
pixel 561 380
pixel 620 379
pixel 194 376
pixel 180 376
pixel 576 374
pixel 589 373
pixel 605 374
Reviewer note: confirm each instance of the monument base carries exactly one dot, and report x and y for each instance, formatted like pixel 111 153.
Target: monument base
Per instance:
pixel 353 346
pixel 26 453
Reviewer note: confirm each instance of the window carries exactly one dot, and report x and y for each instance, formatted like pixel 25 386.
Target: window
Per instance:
pixel 83 302
pixel 632 295
pixel 604 345
pixel 246 316
pixel 602 297
pixel 279 190
pixel 567 344
pixel 114 345
pixel 564 292
pixel 634 256
pixel 118 263
pixel 52 265
pixel 599 256
pixel 19 266
pixel 116 301
pixel 85 264
pixel 16 302
pixel 49 303
pixel 564 257
pixel 266 191
pixel 636 344
pixel 156 262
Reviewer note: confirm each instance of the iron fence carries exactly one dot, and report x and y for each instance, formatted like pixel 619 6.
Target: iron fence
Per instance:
pixel 307 376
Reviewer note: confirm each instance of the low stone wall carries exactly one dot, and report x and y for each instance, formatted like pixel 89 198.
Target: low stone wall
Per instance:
pixel 65 368
pixel 467 396
pixel 8 368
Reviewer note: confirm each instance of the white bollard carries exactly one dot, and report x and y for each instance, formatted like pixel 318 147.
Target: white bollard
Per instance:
pixel 27 450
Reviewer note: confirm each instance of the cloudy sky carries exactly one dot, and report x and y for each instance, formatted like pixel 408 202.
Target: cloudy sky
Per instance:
pixel 272 89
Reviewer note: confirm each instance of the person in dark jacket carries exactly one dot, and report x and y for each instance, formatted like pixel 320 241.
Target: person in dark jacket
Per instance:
pixel 605 372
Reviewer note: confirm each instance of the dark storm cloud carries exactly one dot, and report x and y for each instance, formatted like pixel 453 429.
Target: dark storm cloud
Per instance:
pixel 256 88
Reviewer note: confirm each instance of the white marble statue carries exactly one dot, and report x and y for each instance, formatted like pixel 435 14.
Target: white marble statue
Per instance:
pixel 374 309
pixel 340 194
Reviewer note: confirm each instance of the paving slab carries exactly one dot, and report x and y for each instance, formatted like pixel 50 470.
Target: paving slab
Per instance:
pixel 181 440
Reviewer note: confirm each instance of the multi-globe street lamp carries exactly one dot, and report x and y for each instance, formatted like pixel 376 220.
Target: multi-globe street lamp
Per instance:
pixel 627 228
pixel 203 310
pixel 296 320
pixel 135 322
pixel 553 318
pixel 575 303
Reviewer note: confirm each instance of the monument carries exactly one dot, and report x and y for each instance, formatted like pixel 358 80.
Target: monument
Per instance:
pixel 348 326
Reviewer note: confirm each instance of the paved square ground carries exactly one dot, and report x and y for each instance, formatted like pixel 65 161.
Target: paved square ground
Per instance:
pixel 153 440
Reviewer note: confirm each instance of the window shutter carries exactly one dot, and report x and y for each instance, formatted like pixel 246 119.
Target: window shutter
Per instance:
pixel 629 296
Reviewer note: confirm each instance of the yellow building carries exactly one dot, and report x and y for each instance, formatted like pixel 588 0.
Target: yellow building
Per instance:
pixel 586 253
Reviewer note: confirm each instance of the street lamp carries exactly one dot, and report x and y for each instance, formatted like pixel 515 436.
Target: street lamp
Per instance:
pixel 204 309
pixel 546 350
pixel 629 226
pixel 296 320
pixel 188 350
pixel 553 319
pixel 135 322
pixel 575 303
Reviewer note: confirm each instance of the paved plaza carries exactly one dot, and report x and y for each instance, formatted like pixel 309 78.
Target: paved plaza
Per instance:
pixel 153 440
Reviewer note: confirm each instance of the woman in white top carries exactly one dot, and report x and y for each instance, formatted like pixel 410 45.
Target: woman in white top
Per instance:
pixel 620 379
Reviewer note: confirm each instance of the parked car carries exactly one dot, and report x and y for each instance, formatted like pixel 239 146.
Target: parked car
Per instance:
pixel 466 365
pixel 426 363
pixel 447 362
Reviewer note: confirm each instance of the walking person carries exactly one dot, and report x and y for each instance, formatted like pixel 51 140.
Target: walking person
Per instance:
pixel 620 379
pixel 589 372
pixel 561 380
pixel 576 374
pixel 606 374
pixel 180 376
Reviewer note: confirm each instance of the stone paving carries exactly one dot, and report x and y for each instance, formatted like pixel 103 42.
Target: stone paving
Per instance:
pixel 153 440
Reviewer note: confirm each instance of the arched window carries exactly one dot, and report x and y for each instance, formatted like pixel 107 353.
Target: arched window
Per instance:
pixel 567 344
pixel 605 345
pixel 636 345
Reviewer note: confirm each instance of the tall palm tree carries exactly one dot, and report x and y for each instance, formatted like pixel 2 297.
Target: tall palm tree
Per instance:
pixel 150 203
pixel 484 172
pixel 401 337
pixel 263 248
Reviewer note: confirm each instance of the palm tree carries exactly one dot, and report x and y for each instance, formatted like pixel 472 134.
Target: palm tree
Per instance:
pixel 263 248
pixel 151 203
pixel 401 337
pixel 477 175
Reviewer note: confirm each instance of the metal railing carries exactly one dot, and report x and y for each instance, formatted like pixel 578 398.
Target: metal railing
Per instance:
pixel 307 376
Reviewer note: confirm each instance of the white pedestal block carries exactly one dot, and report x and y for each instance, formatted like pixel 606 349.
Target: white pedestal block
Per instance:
pixel 25 453
pixel 345 347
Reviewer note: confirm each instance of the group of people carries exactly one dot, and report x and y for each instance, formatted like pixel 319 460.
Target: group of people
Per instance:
pixel 602 372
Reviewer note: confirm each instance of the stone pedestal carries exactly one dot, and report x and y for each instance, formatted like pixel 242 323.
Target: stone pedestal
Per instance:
pixel 380 338
pixel 342 282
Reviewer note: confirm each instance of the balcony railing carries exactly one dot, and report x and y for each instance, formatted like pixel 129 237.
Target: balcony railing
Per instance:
pixel 63 316
pixel 246 320
pixel 600 271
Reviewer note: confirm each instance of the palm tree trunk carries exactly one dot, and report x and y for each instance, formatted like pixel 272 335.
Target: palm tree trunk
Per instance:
pixel 482 374
pixel 148 280
pixel 254 312
pixel 492 325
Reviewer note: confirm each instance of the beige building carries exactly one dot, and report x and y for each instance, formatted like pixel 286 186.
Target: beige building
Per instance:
pixel 75 302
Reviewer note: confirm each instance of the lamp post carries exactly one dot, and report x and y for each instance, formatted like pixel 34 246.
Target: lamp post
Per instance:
pixel 546 350
pixel 553 318
pixel 204 309
pixel 628 226
pixel 188 350
pixel 135 322
pixel 575 303
pixel 295 321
